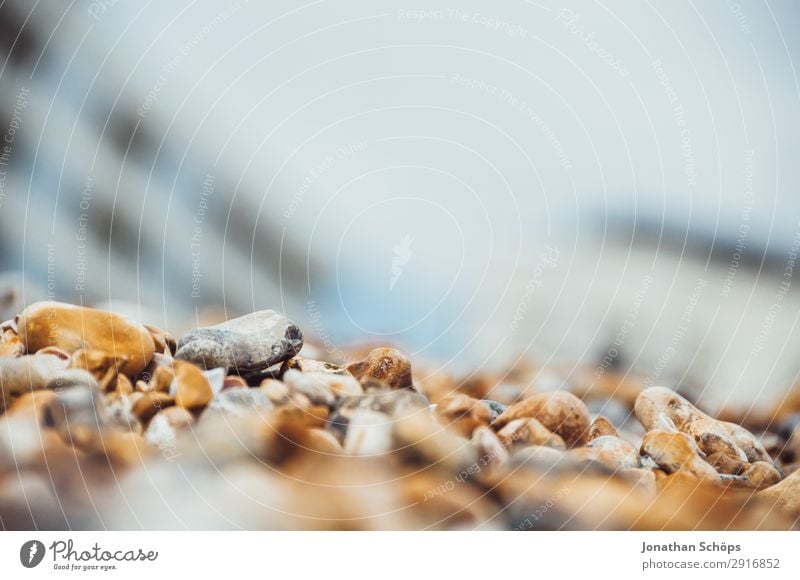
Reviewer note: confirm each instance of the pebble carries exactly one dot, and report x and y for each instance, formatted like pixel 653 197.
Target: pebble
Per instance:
pixel 322 388
pixel 119 412
pixel 276 390
pixel 601 427
pixel 495 408
pixel 489 447
pixel 659 407
pixel 246 345
pixel 674 452
pixel 164 341
pixel 394 403
pixel 72 328
pixel 307 365
pixel 761 474
pixel 104 367
pixel 190 386
pixel 368 433
pixel 322 441
pixel 160 433
pixel 786 493
pixel 19 375
pixel 614 452
pixel 464 413
pixel 523 432
pixel 11 344
pixel 78 414
pixel 238 401
pixel 317 442
pixel 147 405
pixel 386 365
pixel 561 412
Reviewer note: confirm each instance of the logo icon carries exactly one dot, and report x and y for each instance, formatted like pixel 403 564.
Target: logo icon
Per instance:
pixel 402 253
pixel 31 553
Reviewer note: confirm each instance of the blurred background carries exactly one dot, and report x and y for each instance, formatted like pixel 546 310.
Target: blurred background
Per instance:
pixel 614 183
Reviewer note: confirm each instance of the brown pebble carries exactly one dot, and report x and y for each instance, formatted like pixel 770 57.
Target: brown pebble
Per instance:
pixel 233 381
pixel 276 391
pixel 561 412
pixel 104 367
pixel 10 344
pixel 530 432
pixel 387 365
pixel 124 385
pixel 72 328
pixel 725 463
pixel 676 452
pixel 662 408
pixel 464 413
pixel 151 403
pixel 601 427
pixel 164 342
pixel 178 417
pixel 786 493
pixel 192 390
pixel 761 474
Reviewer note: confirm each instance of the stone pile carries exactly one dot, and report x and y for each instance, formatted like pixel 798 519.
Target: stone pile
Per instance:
pixel 110 423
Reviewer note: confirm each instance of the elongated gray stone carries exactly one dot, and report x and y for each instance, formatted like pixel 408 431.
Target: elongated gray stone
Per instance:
pixel 246 345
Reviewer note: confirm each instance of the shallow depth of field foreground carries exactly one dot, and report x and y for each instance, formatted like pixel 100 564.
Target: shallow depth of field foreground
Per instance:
pixel 109 423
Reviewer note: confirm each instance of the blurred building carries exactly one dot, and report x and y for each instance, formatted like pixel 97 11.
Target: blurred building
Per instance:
pixel 613 183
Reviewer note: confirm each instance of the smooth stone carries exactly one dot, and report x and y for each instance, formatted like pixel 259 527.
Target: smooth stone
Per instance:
pixel 308 365
pixel 369 433
pixel 237 401
pixel 561 412
pixel 676 451
pixel 72 328
pixel 161 433
pixel 147 405
pixel 786 493
pixel 496 408
pixel 322 388
pixel 190 386
pixel 11 344
pixel 79 414
pixel 389 402
pixel 30 373
pixel 246 345
pixel 386 365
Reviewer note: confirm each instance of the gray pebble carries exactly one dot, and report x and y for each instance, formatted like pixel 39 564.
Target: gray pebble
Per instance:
pixel 238 401
pixel 246 345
